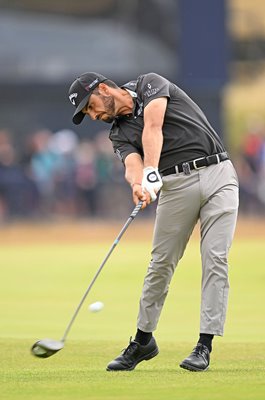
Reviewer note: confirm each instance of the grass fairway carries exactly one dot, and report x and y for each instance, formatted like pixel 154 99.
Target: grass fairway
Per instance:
pixel 43 281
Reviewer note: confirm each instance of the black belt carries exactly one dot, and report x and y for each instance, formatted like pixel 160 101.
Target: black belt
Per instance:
pixel 198 163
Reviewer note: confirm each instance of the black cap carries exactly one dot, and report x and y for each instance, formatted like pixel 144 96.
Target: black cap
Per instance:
pixel 80 91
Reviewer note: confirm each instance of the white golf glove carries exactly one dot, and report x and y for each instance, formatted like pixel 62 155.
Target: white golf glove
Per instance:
pixel 152 182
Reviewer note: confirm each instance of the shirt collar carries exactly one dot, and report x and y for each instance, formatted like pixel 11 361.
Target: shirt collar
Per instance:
pixel 131 92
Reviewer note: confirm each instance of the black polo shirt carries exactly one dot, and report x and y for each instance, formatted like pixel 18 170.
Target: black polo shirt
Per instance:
pixel 187 133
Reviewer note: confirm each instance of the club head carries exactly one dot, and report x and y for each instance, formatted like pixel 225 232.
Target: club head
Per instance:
pixel 46 347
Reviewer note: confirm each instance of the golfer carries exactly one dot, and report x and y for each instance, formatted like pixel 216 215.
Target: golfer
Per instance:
pixel 167 145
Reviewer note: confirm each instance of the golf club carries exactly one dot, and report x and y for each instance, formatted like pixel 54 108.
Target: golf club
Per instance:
pixel 47 347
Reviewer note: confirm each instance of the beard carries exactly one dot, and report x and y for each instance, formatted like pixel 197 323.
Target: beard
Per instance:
pixel 109 105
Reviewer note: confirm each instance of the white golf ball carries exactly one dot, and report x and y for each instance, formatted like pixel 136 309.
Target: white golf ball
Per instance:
pixel 97 306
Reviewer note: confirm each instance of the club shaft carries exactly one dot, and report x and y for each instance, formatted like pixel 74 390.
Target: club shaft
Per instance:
pixel 116 241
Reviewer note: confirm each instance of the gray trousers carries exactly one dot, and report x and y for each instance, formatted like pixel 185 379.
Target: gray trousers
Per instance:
pixel 211 196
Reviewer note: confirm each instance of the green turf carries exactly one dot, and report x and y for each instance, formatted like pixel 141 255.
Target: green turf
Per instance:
pixel 41 286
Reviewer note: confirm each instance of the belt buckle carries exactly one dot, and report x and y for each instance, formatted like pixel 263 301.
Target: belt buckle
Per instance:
pixel 195 161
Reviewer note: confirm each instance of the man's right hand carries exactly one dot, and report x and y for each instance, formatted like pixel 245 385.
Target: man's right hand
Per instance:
pixel 138 195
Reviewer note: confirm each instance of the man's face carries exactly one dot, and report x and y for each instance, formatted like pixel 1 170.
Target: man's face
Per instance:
pixel 100 107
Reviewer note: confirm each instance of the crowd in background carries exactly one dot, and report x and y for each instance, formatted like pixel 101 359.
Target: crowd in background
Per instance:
pixel 59 174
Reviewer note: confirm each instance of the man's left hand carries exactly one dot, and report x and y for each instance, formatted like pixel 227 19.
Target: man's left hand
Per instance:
pixel 152 182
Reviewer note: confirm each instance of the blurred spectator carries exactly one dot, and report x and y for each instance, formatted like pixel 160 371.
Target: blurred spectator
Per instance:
pixel 86 178
pixel 252 147
pixel 104 159
pixel 18 194
pixel 42 161
pixel 63 146
pixel 250 170
pixel 261 173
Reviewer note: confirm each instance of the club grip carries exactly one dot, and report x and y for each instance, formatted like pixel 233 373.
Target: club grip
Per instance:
pixel 136 209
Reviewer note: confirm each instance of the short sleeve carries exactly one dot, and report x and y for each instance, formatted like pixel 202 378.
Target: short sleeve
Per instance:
pixel 121 145
pixel 153 86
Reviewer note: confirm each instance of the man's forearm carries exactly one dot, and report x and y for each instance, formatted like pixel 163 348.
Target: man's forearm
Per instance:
pixel 152 140
pixel 134 169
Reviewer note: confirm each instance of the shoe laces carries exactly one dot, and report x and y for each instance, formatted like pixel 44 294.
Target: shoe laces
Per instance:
pixel 130 348
pixel 200 350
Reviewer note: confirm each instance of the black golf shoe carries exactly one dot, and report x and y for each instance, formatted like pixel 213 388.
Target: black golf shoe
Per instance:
pixel 132 355
pixel 198 360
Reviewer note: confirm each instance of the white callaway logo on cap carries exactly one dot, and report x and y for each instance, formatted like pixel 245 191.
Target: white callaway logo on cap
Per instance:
pixel 72 98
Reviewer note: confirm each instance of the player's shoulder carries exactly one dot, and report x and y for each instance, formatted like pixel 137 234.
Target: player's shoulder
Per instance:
pixel 151 80
pixel 143 80
pixel 150 76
